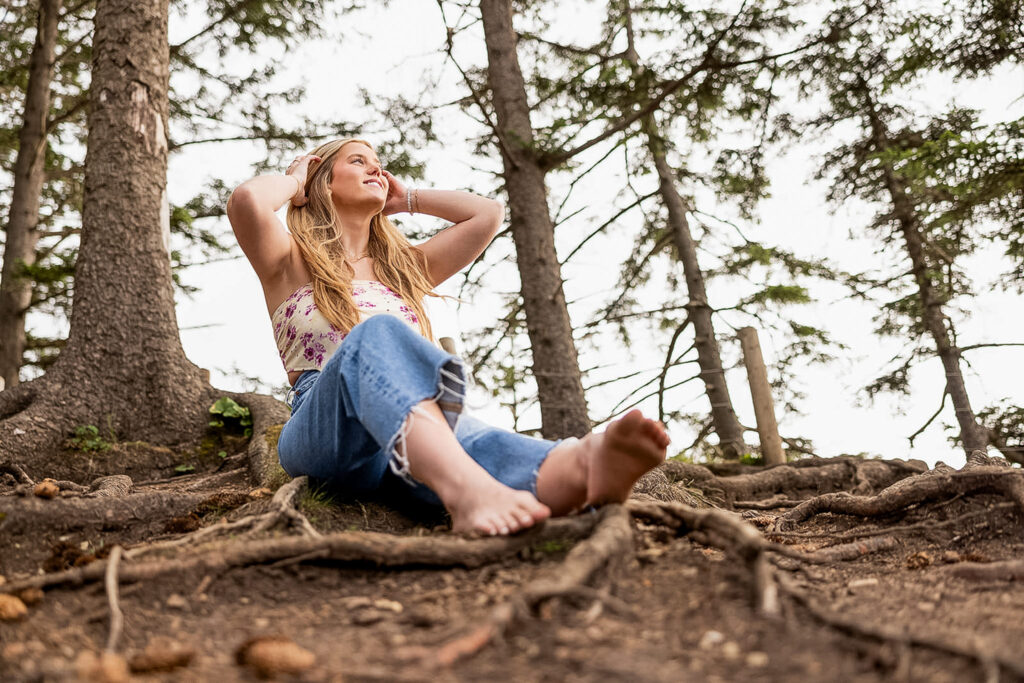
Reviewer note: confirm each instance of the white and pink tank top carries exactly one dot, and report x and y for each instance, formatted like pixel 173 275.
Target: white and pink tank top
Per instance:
pixel 305 339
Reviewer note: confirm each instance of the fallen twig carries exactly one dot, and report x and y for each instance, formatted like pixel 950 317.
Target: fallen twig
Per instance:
pixel 116 617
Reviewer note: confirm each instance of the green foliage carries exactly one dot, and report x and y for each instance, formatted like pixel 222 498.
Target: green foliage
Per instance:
pixel 87 438
pixel 232 417
pixel 185 468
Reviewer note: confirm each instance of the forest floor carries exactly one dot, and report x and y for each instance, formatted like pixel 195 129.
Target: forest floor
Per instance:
pixel 926 588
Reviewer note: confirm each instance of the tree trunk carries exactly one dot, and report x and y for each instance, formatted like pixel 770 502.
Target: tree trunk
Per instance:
pixel 123 367
pixel 555 364
pixel 22 234
pixel 723 417
pixel 972 435
pixel 709 358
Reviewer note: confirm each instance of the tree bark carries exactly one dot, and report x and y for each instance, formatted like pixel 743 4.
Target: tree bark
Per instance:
pixel 123 367
pixel 22 234
pixel 761 393
pixel 709 358
pixel 972 435
pixel 555 363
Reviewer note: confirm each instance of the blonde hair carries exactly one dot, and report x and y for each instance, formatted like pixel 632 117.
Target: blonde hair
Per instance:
pixel 315 228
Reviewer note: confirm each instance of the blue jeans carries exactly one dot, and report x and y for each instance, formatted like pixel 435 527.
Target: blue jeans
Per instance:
pixel 348 420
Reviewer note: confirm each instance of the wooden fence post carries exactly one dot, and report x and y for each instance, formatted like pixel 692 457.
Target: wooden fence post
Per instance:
pixel 760 391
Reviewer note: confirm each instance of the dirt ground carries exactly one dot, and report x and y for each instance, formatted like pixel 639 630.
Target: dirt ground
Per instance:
pixel 673 609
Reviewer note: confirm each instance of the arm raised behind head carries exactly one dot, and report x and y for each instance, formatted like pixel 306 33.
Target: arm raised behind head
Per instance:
pixel 476 221
pixel 251 210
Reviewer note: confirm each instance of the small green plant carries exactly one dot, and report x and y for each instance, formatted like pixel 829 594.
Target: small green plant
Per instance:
pixel 185 469
pixel 87 438
pixel 552 546
pixel 231 416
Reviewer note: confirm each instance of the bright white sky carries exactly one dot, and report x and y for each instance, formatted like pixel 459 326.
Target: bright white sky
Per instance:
pixel 396 50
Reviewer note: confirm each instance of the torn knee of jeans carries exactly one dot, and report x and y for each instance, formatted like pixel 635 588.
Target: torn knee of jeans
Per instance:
pixel 399 457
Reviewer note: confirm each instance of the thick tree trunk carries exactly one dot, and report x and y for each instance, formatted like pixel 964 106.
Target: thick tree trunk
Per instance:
pixel 21 233
pixel 555 364
pixel 972 435
pixel 723 417
pixel 123 368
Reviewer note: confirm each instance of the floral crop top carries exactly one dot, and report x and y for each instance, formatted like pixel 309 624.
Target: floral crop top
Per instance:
pixel 305 339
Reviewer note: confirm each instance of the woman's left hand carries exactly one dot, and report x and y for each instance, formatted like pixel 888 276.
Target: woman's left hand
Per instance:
pixel 396 201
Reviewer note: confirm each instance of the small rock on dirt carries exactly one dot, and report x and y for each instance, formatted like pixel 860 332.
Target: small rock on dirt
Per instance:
pixel 862 583
pixel 757 659
pixel 162 655
pixel 11 608
pixel 47 488
pixel 273 655
pixel 176 601
pixel 710 639
pixel 31 596
pixel 105 667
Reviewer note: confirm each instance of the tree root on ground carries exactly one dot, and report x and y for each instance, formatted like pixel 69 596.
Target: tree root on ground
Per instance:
pixel 1007 570
pixel 19 473
pixel 839 553
pixel 282 509
pixel 17 398
pixel 32 514
pixel 965 645
pixel 864 476
pixel 611 541
pixel 722 529
pixel 924 525
pixel 385 550
pixel 268 415
pixel 934 485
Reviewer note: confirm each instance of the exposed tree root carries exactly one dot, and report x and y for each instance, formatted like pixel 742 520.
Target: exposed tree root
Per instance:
pixel 31 514
pixel 611 541
pixel 18 472
pixel 282 509
pixel 923 525
pixel 864 476
pixel 385 550
pixel 268 415
pixel 935 485
pixel 722 529
pixel 17 398
pixel 842 552
pixel 1008 570
pixel 966 644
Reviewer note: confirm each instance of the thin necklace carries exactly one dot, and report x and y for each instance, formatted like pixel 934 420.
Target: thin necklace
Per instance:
pixel 358 259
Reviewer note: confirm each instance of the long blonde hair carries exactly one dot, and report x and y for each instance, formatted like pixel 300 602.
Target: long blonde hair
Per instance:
pixel 315 228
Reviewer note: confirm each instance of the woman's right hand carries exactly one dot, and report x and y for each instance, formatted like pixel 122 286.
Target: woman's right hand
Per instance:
pixel 298 170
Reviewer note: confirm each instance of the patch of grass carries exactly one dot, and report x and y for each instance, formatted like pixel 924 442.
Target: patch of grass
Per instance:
pixel 552 546
pixel 277 477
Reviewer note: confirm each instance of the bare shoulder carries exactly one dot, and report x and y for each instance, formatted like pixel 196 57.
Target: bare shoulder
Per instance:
pixel 292 274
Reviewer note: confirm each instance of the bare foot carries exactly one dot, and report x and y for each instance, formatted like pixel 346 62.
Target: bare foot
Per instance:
pixel 627 449
pixel 492 508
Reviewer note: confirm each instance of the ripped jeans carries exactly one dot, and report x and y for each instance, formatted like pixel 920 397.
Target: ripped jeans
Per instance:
pixel 349 418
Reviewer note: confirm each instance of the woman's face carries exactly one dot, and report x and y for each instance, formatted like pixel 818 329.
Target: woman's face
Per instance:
pixel 357 178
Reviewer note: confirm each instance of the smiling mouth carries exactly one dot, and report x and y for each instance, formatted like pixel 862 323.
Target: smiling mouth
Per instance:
pixel 375 182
